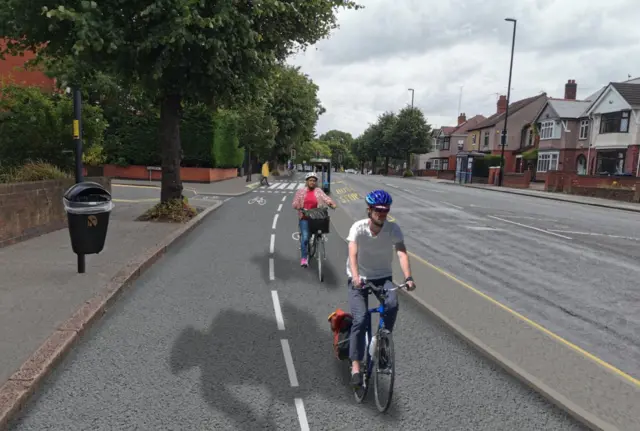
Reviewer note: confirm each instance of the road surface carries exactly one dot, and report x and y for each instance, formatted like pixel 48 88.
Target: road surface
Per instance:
pixel 569 267
pixel 227 332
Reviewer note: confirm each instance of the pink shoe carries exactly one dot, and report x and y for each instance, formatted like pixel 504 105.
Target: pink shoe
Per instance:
pixel 304 263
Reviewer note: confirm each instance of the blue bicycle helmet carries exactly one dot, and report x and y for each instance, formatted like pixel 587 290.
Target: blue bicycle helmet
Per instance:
pixel 378 197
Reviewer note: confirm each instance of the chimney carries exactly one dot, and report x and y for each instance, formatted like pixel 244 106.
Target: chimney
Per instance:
pixel 462 118
pixel 570 89
pixel 502 104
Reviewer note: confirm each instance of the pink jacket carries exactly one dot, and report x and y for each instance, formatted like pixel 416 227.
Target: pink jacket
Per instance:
pixel 321 196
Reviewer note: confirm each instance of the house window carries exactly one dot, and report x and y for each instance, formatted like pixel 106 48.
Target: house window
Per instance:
pixel 547 129
pixel 427 165
pixel 610 162
pixel 486 139
pixel 435 164
pixel 548 161
pixel 473 140
pixel 584 129
pixel 446 143
pixel 445 164
pixel 615 122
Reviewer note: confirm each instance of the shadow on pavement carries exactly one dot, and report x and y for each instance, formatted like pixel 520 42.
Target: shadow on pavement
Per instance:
pixel 287 269
pixel 243 349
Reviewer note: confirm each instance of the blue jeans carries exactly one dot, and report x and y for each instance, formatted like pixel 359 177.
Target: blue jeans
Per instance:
pixel 359 303
pixel 303 225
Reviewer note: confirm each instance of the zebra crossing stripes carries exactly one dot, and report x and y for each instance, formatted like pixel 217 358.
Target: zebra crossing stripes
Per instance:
pixel 280 187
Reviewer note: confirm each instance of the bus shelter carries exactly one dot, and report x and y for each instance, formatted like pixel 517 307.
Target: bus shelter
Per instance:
pixel 323 167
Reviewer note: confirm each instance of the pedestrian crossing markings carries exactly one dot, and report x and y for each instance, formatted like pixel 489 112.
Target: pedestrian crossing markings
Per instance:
pixel 281 187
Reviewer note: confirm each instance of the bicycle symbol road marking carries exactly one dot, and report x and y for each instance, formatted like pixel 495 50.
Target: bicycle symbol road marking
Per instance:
pixel 258 199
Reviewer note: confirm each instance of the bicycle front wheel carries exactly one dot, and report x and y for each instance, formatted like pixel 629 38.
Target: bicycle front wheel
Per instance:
pixel 311 246
pixel 384 371
pixel 320 256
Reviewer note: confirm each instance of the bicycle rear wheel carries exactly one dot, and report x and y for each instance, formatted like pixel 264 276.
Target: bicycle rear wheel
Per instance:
pixel 320 256
pixel 384 367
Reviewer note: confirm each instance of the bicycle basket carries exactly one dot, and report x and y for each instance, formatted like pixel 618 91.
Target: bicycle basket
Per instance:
pixel 318 220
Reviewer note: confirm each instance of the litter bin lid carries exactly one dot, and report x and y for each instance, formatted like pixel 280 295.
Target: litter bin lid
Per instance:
pixel 87 191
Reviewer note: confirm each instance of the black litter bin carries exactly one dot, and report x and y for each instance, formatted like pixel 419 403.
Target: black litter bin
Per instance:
pixel 88 206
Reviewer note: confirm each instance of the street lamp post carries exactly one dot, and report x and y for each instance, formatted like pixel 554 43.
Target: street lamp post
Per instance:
pixel 412 93
pixel 506 114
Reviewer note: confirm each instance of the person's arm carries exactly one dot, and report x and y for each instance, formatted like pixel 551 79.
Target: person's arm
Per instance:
pixel 297 200
pixel 353 255
pixel 327 200
pixel 403 257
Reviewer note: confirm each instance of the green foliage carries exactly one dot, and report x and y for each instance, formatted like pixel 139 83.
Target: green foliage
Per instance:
pixel 295 108
pixel 32 171
pixel 411 133
pixel 309 149
pixel 214 52
pixel 257 129
pixel 407 173
pixel 35 125
pixel 226 153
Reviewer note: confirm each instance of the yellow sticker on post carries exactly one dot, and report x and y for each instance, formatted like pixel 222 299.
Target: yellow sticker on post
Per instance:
pixel 76 129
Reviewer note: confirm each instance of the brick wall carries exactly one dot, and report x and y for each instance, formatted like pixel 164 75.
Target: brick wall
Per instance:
pixel 517 181
pixel 34 208
pixel 625 188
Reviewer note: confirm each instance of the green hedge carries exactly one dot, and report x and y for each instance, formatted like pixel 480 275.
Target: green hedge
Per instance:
pixel 226 151
pixel 134 140
pixel 38 126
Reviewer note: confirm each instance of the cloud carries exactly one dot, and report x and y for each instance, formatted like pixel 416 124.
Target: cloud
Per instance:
pixel 367 66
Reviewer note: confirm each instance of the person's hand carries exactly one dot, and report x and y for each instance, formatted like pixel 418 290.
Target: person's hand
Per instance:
pixel 410 284
pixel 357 282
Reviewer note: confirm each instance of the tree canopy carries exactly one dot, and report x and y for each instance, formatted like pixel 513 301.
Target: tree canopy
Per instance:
pixel 219 53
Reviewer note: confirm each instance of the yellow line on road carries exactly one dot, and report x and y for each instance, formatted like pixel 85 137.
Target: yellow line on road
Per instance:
pixel 539 327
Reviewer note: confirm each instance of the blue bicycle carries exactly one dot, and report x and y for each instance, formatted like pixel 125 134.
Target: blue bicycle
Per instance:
pixel 379 354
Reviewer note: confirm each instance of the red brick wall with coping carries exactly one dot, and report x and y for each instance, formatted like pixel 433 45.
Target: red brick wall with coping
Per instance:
pixel 34 208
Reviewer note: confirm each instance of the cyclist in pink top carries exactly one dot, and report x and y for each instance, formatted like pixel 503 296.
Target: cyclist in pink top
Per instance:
pixel 307 198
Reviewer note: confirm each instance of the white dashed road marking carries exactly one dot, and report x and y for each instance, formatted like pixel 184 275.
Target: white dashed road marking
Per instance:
pixel 288 359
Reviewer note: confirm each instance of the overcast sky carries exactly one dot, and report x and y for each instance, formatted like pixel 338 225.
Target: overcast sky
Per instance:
pixel 436 47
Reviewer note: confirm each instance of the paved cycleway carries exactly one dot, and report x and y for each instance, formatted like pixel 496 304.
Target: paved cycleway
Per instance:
pixel 228 332
pixel 569 267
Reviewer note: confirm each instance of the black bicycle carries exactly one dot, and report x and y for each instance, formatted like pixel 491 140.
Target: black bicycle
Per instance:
pixel 319 221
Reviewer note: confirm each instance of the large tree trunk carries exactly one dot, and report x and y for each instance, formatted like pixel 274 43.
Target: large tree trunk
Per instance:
pixel 386 166
pixel 170 144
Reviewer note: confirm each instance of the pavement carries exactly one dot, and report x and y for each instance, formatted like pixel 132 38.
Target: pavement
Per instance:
pixel 41 288
pixel 226 331
pixel 583 200
pixel 572 268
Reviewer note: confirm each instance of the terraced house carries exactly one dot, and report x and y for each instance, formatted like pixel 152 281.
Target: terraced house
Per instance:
pixel 615 134
pixel 563 128
pixel 448 141
pixel 486 136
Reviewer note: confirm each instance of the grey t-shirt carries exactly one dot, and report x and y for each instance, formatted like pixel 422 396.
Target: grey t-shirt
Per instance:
pixel 375 253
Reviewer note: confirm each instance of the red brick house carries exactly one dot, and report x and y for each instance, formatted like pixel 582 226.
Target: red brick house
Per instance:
pixel 563 128
pixel 519 134
pixel 614 141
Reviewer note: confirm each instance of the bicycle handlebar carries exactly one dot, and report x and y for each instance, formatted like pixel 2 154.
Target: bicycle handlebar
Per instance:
pixel 381 289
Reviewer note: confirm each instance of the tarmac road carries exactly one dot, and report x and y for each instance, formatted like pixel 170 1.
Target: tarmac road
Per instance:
pixel 201 341
pixel 569 267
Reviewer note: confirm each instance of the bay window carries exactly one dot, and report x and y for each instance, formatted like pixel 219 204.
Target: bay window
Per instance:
pixel 548 161
pixel 615 122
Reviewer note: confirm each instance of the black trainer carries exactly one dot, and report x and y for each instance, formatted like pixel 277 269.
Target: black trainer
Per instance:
pixel 356 379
